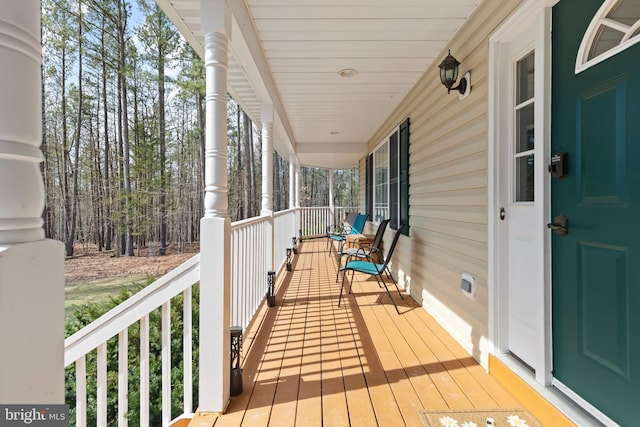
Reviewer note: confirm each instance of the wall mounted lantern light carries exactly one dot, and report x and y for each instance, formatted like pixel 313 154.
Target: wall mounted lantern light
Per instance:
pixel 449 75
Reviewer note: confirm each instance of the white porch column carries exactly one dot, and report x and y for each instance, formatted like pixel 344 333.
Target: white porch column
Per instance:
pixel 215 227
pixel 292 182
pixel 31 267
pixel 267 160
pixel 267 180
pixel 296 197
pixel 332 208
pixel 297 185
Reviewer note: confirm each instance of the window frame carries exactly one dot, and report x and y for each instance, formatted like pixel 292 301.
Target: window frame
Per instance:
pixel 600 21
pixel 397 178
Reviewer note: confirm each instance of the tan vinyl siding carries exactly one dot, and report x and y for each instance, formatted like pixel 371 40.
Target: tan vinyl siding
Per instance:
pixel 448 185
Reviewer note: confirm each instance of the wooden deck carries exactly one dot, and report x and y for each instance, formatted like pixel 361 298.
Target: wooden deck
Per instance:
pixel 309 362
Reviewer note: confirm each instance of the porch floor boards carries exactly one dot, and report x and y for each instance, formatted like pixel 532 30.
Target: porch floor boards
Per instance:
pixel 308 362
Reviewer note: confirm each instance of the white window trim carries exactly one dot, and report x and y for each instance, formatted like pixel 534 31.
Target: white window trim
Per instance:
pixel 600 18
pixel 386 140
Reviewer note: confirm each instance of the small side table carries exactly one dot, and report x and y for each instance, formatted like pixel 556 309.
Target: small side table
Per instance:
pixel 362 241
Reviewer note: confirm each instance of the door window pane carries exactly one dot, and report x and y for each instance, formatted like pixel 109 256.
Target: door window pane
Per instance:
pixel 525 72
pixel 524 129
pixel 524 136
pixel 524 178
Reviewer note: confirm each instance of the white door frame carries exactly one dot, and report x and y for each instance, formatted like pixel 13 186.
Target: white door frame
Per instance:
pixel 537 12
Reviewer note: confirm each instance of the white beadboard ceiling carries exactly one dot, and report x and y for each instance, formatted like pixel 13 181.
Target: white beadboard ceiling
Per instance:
pixel 288 53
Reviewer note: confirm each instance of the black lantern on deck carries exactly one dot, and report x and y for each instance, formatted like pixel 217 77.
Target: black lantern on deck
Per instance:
pixel 235 386
pixel 294 247
pixel 271 288
pixel 289 251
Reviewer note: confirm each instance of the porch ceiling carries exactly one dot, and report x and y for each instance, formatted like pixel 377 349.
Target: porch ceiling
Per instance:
pixel 288 53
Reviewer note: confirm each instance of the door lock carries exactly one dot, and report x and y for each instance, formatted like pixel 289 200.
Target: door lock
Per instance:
pixel 560 225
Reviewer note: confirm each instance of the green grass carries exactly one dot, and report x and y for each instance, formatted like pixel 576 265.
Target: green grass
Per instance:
pixel 98 291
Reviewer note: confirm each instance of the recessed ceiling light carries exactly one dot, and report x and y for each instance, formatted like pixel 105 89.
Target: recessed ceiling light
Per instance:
pixel 347 72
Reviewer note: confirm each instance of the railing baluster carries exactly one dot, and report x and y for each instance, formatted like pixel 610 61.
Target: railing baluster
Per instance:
pixel 101 390
pixel 187 349
pixel 144 370
pixel 251 244
pixel 166 363
pixel 81 392
pixel 123 377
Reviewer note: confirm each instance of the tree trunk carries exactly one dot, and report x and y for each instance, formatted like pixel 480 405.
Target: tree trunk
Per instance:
pixel 128 243
pixel 76 144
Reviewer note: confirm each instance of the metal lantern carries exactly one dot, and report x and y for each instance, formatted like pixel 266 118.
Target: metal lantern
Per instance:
pixel 271 288
pixel 449 75
pixel 294 247
pixel 235 385
pixel 289 251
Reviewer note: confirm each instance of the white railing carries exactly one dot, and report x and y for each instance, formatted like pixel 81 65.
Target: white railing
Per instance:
pixel 314 221
pixel 249 241
pixel 284 231
pixel 116 322
pixel 257 245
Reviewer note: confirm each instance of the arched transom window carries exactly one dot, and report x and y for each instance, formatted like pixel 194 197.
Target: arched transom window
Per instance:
pixel 615 27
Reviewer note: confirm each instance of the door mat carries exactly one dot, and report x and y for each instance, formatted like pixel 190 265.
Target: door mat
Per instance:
pixel 482 417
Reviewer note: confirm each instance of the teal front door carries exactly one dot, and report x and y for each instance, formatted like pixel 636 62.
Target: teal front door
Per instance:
pixel 596 265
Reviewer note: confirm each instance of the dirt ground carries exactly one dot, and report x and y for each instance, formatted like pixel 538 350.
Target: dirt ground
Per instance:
pixel 89 264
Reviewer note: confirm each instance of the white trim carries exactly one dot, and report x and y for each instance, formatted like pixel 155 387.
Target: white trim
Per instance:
pixel 562 400
pixel 584 404
pixel 541 9
pixel 600 18
pixel 543 383
pixel 386 140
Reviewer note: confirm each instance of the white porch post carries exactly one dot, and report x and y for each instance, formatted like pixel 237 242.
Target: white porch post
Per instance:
pixel 31 267
pixel 267 159
pixel 215 227
pixel 297 185
pixel 332 208
pixel 297 197
pixel 292 191
pixel 292 182
pixel 267 181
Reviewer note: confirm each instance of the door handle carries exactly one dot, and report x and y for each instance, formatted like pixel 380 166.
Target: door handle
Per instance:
pixel 560 225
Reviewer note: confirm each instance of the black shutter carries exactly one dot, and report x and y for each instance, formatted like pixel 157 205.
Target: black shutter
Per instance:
pixel 404 176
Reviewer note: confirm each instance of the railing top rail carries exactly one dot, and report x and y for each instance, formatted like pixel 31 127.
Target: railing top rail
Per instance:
pixel 132 310
pixel 309 208
pixel 249 221
pixel 284 212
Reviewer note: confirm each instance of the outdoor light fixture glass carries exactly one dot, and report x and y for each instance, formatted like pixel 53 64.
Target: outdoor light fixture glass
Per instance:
pixel 449 75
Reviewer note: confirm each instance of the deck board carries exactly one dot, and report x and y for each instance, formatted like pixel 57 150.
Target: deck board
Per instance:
pixel 308 362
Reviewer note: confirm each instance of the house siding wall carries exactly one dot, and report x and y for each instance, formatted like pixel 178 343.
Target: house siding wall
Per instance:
pixel 448 186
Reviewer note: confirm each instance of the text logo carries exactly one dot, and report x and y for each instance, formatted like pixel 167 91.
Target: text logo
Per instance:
pixel 34 415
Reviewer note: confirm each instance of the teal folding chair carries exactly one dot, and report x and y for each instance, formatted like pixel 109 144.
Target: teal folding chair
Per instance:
pixel 358 226
pixel 368 266
pixel 363 251
pixel 342 228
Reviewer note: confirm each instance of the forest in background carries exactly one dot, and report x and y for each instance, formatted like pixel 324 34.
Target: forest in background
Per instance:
pixel 123 133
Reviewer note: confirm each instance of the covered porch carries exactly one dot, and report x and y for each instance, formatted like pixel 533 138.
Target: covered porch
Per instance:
pixel 308 362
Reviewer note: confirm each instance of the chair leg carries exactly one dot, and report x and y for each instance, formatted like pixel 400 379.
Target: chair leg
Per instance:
pixel 339 265
pixel 344 273
pixel 380 278
pixel 388 272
